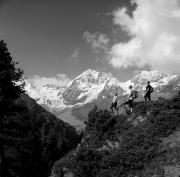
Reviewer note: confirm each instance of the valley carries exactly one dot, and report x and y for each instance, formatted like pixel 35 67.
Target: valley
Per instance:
pixel 72 102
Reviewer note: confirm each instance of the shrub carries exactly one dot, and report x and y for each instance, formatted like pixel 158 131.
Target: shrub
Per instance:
pixel 138 146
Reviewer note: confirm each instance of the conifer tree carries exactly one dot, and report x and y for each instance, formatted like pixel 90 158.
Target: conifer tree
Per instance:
pixel 10 75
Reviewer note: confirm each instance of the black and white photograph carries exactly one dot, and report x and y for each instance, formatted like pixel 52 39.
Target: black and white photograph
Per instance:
pixel 89 88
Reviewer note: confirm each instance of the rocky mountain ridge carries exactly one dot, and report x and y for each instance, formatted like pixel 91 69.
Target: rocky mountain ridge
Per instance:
pixel 145 144
pixel 72 102
pixel 93 85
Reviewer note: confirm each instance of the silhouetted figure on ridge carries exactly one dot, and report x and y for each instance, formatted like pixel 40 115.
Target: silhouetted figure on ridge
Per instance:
pixel 114 103
pixel 149 90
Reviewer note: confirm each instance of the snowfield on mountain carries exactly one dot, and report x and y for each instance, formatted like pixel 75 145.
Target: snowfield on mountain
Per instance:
pixel 94 87
pixel 87 87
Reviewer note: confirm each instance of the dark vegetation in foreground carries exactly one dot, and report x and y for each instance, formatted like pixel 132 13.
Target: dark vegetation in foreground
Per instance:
pixel 31 139
pixel 127 146
pixel 34 139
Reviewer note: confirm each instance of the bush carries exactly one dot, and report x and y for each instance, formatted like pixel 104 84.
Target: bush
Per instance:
pixel 138 145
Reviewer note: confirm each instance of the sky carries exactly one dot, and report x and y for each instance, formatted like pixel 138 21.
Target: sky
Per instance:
pixel 56 40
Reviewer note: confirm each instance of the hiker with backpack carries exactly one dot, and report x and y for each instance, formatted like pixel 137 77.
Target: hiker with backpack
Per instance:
pixel 149 90
pixel 132 96
pixel 114 103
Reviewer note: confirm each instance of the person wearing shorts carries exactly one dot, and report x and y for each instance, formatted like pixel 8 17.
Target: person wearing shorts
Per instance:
pixel 129 102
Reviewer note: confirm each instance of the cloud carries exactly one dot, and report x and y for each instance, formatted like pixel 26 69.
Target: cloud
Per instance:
pixel 2 2
pixel 75 54
pixel 154 28
pixel 59 80
pixel 99 42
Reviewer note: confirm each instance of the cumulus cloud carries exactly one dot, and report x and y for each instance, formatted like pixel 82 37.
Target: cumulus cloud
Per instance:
pixel 75 54
pixel 99 42
pixel 59 80
pixel 154 28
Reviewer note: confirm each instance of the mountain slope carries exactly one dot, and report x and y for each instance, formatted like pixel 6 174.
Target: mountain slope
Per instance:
pixel 156 78
pixel 145 145
pixel 48 95
pixel 93 87
pixel 34 139
pixel 164 86
pixel 87 87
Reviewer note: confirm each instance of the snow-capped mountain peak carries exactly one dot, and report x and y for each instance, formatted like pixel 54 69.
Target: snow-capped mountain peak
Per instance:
pixel 149 76
pixel 156 78
pixel 92 85
pixel 86 87
pixel 94 77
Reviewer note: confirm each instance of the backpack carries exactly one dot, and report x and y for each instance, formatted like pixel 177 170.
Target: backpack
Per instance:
pixel 151 89
pixel 135 94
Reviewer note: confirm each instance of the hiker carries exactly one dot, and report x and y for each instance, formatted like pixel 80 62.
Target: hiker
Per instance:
pixel 149 90
pixel 129 102
pixel 114 103
pixel 133 94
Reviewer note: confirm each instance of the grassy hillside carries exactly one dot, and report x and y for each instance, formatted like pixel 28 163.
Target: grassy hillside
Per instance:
pixel 80 112
pixel 146 144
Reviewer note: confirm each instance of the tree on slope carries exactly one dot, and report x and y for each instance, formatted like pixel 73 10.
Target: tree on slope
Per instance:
pixel 9 92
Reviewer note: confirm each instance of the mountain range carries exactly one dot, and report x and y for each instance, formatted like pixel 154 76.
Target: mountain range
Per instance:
pixel 72 101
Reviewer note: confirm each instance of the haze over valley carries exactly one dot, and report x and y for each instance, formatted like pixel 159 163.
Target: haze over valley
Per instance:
pixel 96 88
